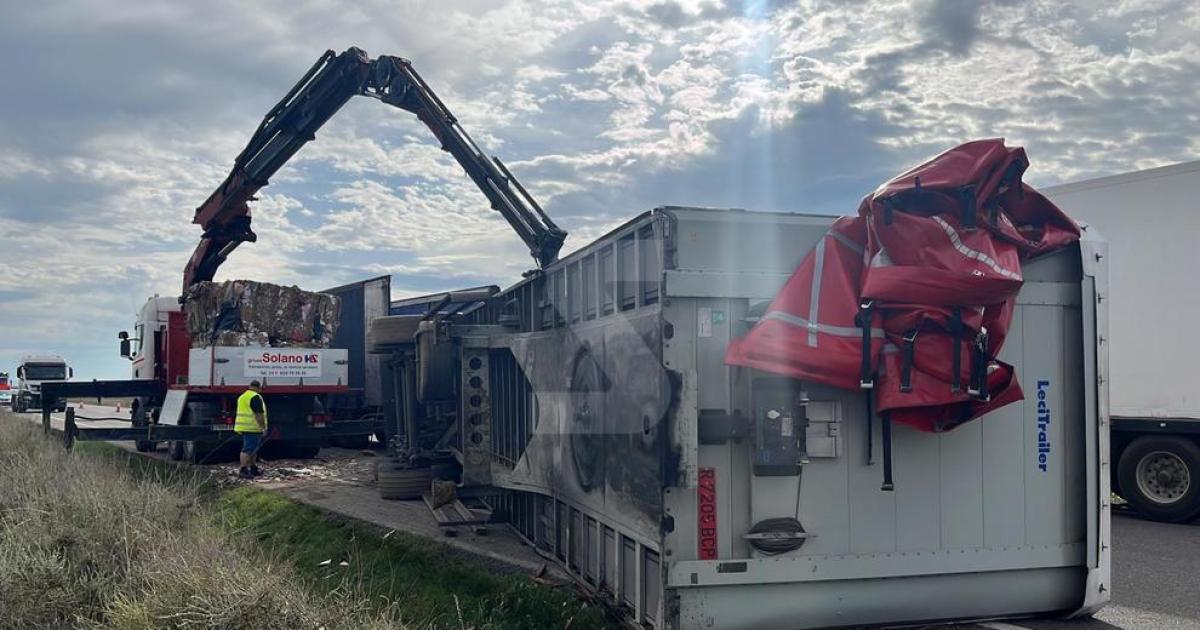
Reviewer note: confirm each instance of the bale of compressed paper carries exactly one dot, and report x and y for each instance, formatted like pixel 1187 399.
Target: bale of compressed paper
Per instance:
pixel 248 313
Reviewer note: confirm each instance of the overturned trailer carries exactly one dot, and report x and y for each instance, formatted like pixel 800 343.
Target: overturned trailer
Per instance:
pixel 597 398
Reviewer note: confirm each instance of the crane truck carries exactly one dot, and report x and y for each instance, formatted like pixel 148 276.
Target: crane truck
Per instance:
pixel 185 395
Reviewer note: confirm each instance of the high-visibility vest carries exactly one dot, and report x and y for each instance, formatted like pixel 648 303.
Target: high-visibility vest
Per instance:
pixel 245 423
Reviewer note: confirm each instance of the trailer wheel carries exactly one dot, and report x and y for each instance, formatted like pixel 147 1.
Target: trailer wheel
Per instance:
pixel 1160 477
pixel 399 483
pixel 175 450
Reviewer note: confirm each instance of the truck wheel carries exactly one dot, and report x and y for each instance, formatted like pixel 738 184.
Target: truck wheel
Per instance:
pixel 145 446
pixel 1160 477
pixel 398 483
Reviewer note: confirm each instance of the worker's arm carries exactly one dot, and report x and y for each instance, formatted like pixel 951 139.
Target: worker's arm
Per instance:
pixel 260 416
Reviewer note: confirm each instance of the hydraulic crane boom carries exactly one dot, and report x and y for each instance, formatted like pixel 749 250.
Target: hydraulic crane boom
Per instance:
pixel 294 121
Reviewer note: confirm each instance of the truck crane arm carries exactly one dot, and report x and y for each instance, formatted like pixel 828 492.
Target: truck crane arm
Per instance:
pixel 294 121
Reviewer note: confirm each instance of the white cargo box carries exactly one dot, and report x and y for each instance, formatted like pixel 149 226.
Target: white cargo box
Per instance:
pixel 217 366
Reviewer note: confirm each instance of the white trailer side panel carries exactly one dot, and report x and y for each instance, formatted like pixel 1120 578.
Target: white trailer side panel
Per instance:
pixel 225 366
pixel 1151 222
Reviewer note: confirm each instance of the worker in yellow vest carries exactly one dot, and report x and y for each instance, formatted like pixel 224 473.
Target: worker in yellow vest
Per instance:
pixel 251 424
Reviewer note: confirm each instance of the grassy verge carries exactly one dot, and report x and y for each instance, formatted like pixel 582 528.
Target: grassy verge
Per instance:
pixel 102 538
pixel 424 580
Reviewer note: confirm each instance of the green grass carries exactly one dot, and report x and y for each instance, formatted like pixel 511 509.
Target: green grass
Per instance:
pixel 426 581
pixel 143 468
pixel 89 541
pixel 400 581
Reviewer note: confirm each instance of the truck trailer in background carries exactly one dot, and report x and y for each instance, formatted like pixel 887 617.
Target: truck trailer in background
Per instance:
pixel 368 374
pixel 1150 221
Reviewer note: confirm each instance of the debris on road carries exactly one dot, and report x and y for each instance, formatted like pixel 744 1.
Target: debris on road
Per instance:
pixel 333 465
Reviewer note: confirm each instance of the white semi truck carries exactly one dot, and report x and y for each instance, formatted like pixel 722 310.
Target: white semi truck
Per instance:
pixel 1150 221
pixel 34 370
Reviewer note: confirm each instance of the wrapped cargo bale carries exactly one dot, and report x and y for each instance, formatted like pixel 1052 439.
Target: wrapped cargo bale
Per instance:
pixel 247 313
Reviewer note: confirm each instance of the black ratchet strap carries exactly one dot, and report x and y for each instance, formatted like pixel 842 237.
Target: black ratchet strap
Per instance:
pixel 885 420
pixel 866 381
pixel 956 329
pixel 906 360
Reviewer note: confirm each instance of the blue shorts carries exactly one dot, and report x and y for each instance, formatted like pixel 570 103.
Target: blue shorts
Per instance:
pixel 251 442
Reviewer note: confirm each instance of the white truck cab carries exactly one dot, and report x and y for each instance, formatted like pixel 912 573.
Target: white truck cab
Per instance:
pixel 34 370
pixel 142 348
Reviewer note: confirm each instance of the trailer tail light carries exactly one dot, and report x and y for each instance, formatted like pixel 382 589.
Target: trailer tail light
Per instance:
pixel 319 420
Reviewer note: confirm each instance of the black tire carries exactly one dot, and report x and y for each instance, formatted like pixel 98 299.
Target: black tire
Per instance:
pixel 145 446
pixel 175 450
pixel 398 483
pixel 1169 487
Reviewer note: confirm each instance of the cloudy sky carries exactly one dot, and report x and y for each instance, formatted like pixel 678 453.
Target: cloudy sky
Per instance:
pixel 117 118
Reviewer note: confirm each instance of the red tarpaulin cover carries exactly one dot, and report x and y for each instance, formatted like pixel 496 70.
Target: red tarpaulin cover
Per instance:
pixel 931 264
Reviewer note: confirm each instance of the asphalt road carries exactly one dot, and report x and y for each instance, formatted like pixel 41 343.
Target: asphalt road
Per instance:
pixel 1156 581
pixel 1155 584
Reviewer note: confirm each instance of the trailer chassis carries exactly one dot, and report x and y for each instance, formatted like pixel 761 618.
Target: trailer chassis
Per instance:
pixel 151 431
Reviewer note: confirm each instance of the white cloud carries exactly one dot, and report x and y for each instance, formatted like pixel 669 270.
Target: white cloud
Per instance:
pixel 604 109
